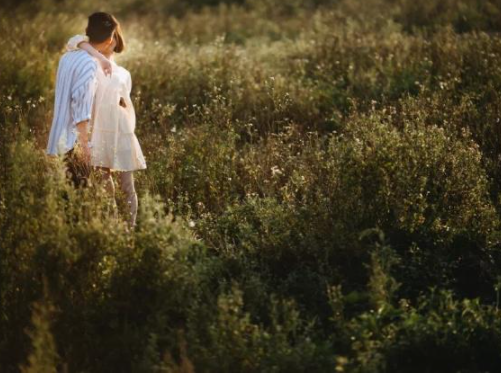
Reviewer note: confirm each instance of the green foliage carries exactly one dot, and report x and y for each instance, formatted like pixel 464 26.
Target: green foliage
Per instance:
pixel 237 343
pixel 44 357
pixel 463 15
pixel 439 333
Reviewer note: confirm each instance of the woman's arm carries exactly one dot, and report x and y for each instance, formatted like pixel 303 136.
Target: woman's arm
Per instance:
pixel 74 41
pixel 103 61
pixel 82 42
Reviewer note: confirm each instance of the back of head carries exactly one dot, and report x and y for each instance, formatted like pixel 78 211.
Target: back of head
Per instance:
pixel 100 27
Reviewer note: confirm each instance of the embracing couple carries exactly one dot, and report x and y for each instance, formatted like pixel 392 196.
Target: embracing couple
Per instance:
pixel 93 95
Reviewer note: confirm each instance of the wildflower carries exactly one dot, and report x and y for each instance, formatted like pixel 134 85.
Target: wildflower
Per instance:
pixel 275 170
pixel 191 224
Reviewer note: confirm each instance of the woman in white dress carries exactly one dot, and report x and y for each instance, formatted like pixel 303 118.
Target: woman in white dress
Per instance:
pixel 114 146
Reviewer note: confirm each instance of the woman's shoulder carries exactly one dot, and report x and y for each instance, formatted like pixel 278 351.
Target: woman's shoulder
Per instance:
pixel 121 68
pixel 122 71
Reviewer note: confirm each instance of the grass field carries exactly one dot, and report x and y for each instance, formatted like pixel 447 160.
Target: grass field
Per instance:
pixel 322 192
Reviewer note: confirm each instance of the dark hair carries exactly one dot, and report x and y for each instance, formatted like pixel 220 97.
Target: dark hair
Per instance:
pixel 100 27
pixel 119 38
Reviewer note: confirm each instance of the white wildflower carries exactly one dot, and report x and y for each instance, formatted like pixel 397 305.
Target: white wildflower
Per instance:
pixel 275 170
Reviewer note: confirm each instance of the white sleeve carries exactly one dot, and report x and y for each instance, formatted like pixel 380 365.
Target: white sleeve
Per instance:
pixel 74 41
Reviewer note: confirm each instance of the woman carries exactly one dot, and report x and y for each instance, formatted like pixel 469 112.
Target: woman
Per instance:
pixel 114 146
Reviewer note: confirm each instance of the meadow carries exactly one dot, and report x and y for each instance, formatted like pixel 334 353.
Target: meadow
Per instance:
pixel 322 193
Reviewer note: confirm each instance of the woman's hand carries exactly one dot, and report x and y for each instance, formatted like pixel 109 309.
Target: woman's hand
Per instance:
pixel 122 102
pixel 82 42
pixel 105 64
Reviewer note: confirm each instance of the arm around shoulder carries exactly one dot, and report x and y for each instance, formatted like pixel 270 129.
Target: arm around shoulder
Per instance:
pixel 82 42
pixel 75 41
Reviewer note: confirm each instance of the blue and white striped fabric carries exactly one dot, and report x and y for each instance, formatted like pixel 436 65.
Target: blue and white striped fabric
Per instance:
pixel 75 88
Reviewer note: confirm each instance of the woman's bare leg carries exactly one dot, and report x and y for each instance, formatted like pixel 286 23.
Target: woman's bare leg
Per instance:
pixel 127 183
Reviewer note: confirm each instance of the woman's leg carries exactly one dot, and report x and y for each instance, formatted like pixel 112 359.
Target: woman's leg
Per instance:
pixel 127 183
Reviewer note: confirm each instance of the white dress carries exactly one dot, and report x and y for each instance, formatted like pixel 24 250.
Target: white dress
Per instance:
pixel 113 142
